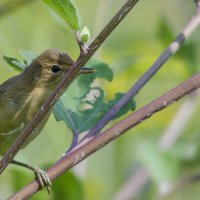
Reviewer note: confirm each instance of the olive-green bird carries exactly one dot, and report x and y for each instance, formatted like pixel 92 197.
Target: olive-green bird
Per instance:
pixel 21 96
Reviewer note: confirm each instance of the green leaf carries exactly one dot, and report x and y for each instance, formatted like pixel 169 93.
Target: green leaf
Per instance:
pixel 83 105
pixel 67 10
pixel 85 118
pixel 28 57
pixel 81 119
pixel 128 106
pixel 13 62
pixel 67 186
pixel 102 70
pixel 61 113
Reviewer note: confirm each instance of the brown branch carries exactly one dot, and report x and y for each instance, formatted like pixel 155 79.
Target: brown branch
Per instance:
pixel 11 5
pixel 94 144
pixel 69 77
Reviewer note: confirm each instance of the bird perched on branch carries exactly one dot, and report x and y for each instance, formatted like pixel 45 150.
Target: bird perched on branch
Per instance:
pixel 21 96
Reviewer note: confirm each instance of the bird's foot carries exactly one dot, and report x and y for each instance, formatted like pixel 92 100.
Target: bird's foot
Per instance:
pixel 42 178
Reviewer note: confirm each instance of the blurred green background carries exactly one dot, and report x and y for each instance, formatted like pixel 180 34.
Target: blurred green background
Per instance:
pixel 115 171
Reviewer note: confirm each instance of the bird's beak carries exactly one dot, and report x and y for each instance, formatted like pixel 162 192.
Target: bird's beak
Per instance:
pixel 86 70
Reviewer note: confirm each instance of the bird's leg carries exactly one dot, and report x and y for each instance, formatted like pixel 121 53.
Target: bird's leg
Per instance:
pixel 40 175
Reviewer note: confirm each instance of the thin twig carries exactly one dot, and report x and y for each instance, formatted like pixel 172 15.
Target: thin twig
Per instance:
pixel 80 44
pixel 94 144
pixel 66 81
pixel 134 90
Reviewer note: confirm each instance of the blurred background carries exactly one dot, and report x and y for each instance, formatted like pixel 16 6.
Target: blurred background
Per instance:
pixel 147 161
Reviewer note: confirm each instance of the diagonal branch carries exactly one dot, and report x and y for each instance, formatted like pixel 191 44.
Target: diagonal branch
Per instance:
pixel 69 77
pixel 94 144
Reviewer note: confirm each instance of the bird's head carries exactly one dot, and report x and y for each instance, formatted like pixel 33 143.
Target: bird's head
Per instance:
pixel 50 67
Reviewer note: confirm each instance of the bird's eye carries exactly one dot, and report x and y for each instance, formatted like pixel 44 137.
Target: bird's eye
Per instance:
pixel 55 68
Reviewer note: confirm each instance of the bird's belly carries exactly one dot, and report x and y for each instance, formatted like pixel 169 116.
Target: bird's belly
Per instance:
pixel 15 115
pixel 12 127
pixel 7 138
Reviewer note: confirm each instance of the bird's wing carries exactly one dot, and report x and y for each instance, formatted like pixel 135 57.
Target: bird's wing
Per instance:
pixel 2 94
pixel 5 89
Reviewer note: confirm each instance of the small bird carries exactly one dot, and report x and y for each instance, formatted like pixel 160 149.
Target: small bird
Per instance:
pixel 21 96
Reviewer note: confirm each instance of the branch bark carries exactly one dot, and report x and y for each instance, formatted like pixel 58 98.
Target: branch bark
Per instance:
pixel 94 144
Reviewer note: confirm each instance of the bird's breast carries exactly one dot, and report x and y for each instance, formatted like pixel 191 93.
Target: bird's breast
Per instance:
pixel 34 101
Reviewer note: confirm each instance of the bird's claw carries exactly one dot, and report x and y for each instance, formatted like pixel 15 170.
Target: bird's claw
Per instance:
pixel 42 178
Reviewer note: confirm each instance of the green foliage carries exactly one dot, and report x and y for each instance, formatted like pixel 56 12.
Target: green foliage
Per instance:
pixel 188 53
pixel 67 10
pixel 88 102
pixel 13 62
pixel 165 33
pixel 67 187
pixel 28 56
pixel 20 177
pixel 161 165
pixel 83 104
